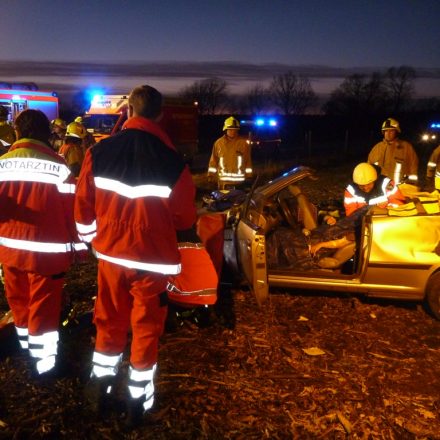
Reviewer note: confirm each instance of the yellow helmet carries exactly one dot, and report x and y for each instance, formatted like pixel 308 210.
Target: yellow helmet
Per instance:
pixel 78 119
pixel 364 173
pixel 76 130
pixel 391 124
pixel 59 123
pixel 231 124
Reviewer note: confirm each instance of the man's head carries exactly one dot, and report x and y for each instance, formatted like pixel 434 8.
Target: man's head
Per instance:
pixel 365 176
pixel 58 126
pixel 231 127
pixel 390 129
pixel 3 113
pixel 145 101
pixel 32 124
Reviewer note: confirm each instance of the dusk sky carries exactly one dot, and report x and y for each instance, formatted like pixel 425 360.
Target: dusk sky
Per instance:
pixel 116 44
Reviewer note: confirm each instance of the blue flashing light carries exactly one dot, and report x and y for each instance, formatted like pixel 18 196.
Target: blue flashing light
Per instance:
pixel 259 122
pixel 435 125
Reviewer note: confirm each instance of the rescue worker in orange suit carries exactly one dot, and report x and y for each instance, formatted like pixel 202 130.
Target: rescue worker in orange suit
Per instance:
pixel 370 189
pixel 56 138
pixel 134 192
pixel 196 284
pixel 230 161
pixel 396 158
pixel 71 149
pixel 38 238
pixel 7 133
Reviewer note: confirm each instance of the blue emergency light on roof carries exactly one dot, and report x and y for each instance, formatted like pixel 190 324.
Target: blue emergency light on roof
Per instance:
pixel 435 125
pixel 267 122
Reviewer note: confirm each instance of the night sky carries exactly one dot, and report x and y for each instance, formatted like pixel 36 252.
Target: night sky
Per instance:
pixel 118 44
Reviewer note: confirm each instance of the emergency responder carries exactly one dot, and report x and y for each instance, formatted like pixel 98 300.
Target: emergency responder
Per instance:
pixel 38 238
pixel 368 189
pixel 88 139
pixel 230 159
pixel 71 149
pixel 396 158
pixel 56 139
pixel 134 192
pixel 7 133
pixel 195 287
pixel 433 170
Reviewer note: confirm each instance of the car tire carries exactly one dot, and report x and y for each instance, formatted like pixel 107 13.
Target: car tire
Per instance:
pixel 433 294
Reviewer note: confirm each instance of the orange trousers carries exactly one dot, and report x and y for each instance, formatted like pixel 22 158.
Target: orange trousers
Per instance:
pixel 210 229
pixel 34 299
pixel 129 297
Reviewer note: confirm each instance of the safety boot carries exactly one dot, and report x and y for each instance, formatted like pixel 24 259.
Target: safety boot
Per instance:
pixel 135 413
pixel 98 394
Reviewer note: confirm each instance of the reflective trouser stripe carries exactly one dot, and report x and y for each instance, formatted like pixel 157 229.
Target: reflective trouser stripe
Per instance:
pixel 23 335
pixel 44 348
pixel 140 382
pixel 105 365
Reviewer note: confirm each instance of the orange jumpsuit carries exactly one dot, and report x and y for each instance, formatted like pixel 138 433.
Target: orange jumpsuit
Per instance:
pixel 134 192
pixel 38 242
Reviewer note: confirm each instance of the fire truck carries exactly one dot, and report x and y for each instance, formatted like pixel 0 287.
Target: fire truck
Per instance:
pixel 20 98
pixel 179 120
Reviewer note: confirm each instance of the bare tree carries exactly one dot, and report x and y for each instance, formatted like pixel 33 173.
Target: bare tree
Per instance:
pixel 400 85
pixel 358 96
pixel 256 100
pixel 210 94
pixel 291 93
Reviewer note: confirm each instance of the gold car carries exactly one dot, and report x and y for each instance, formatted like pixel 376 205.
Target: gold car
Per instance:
pixel 395 254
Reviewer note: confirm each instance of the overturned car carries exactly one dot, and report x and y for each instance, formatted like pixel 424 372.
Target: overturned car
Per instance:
pixel 394 253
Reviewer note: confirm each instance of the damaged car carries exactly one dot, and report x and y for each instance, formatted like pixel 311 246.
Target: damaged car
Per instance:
pixel 394 253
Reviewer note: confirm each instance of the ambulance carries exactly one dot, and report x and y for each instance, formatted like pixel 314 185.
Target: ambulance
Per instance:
pixel 21 97
pixel 179 119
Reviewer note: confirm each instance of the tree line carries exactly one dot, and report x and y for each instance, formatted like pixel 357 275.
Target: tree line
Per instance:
pixel 391 92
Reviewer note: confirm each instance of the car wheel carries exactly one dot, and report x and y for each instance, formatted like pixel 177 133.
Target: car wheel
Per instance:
pixel 433 294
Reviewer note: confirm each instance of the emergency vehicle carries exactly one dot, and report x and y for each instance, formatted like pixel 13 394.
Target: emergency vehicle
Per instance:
pixel 432 133
pixel 18 99
pixel 179 120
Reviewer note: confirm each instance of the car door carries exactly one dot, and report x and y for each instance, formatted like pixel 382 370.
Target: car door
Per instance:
pixel 251 254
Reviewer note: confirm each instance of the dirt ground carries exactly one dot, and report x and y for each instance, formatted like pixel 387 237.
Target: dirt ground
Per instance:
pixel 308 365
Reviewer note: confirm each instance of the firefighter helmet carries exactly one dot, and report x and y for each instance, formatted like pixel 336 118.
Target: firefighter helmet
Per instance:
pixel 231 124
pixel 391 124
pixel 364 173
pixel 59 123
pixel 78 119
pixel 76 130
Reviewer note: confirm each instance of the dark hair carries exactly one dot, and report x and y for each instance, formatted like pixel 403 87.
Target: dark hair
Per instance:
pixel 33 124
pixel 146 101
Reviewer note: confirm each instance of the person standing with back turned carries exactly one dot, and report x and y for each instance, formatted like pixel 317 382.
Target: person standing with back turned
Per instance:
pixel 38 239
pixel 134 192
